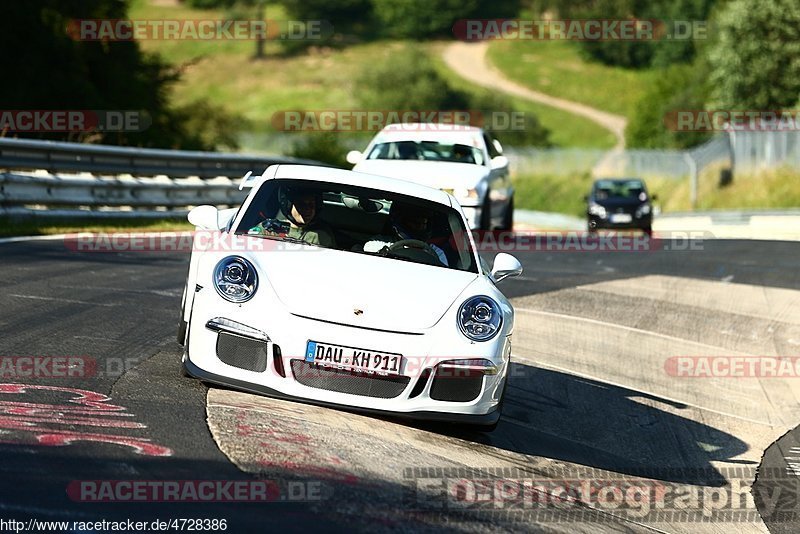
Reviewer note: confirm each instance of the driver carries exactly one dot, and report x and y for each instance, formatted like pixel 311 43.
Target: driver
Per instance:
pixel 301 208
pixel 407 222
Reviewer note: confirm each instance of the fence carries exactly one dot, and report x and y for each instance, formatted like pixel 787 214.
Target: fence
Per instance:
pixel 740 151
pixel 102 181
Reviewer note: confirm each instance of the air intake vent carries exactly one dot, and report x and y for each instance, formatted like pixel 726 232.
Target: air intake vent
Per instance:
pixel 315 376
pixel 456 385
pixel 242 352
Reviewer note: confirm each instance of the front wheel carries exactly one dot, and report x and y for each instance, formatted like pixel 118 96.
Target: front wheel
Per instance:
pixel 181 337
pixel 486 214
pixel 508 216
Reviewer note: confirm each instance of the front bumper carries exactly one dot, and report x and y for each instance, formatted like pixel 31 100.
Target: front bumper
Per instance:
pixel 423 351
pixel 484 420
pixel 642 222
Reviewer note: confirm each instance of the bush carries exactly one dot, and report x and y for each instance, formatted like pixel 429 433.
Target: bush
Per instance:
pixel 417 19
pixel 407 80
pixel 532 132
pixel 640 54
pixel 321 146
pixel 681 87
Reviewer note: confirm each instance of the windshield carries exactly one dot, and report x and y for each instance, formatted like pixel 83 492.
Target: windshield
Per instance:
pixel 361 221
pixel 620 189
pixel 428 151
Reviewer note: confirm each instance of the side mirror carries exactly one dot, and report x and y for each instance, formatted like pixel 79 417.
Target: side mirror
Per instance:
pixel 499 162
pixel 205 217
pixel 497 146
pixel 505 266
pixel 353 157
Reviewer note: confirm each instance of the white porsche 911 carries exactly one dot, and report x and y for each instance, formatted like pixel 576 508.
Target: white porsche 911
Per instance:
pixel 348 290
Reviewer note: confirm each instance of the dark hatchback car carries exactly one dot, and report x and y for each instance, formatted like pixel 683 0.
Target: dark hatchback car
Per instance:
pixel 619 203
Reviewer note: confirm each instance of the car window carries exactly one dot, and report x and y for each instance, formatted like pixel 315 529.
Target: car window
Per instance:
pixel 427 151
pixel 349 217
pixel 493 153
pixel 620 189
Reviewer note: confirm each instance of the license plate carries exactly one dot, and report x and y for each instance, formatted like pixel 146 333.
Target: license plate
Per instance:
pixel 621 218
pixel 354 359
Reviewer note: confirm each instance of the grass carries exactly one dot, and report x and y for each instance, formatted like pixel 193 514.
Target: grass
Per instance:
pixel 225 73
pixel 773 189
pixel 557 68
pixel 559 194
pixel 49 226
pixel 566 129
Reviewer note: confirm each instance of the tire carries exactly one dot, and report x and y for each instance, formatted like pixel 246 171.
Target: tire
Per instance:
pixel 181 337
pixel 648 230
pixel 486 214
pixel 508 216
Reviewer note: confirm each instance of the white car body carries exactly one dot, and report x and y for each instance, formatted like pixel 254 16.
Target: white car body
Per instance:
pixel 348 299
pixel 487 179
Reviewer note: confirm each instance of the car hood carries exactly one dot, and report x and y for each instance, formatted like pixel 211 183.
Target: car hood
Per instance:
pixel 331 285
pixel 437 174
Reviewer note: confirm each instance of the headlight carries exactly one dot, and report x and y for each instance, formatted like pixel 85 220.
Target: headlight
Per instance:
pixel 235 279
pixel 597 209
pixel 643 210
pixel 480 318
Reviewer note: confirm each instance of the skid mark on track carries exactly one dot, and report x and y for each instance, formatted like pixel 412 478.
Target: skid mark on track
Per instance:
pixel 55 425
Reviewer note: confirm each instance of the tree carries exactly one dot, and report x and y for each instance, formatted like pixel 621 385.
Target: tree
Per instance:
pixel 57 72
pixel 755 59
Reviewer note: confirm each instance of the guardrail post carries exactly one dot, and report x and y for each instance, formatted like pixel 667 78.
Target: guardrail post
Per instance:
pixel 692 179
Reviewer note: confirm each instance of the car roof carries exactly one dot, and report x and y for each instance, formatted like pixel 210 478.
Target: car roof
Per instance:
pixel 619 180
pixel 421 131
pixel 341 176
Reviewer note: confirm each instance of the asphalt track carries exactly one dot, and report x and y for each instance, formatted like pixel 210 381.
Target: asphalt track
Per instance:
pixel 592 397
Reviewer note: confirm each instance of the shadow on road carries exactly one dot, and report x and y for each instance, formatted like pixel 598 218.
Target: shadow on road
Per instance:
pixel 598 425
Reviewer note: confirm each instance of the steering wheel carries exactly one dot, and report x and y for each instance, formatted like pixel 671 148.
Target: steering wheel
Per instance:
pixel 415 244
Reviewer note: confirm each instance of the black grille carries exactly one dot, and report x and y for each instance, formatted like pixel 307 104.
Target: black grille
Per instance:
pixel 341 381
pixel 242 352
pixel 456 385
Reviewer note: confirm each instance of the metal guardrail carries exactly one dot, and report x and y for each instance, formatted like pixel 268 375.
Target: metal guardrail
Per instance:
pixel 54 157
pixel 121 181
